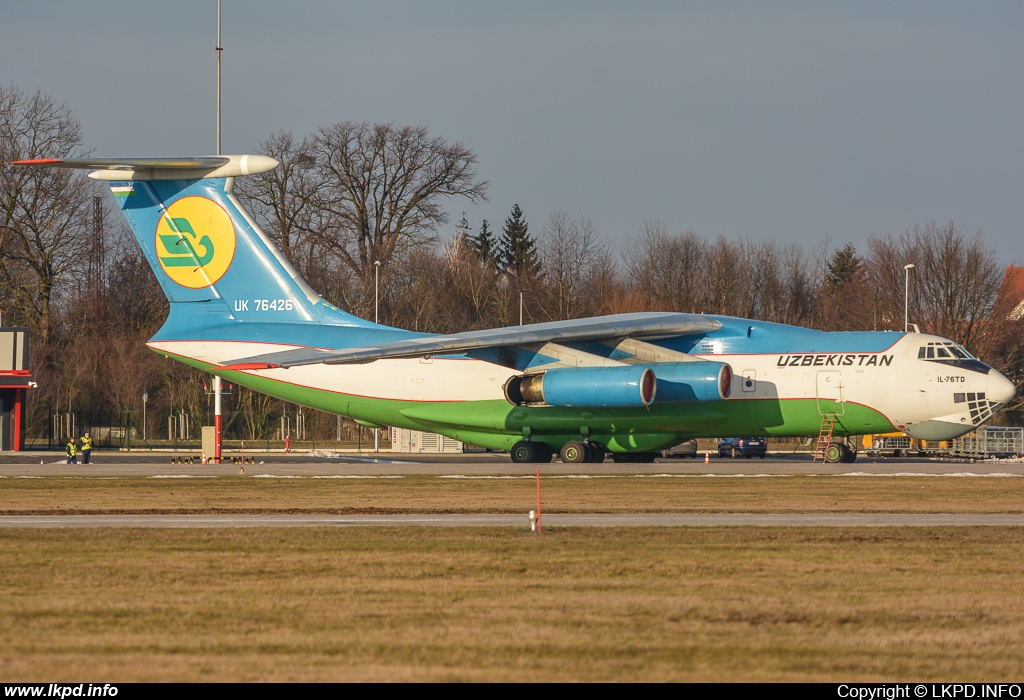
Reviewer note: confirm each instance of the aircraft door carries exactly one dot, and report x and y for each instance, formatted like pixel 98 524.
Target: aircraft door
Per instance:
pixel 830 393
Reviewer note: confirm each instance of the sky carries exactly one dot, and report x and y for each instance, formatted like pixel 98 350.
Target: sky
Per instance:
pixel 801 122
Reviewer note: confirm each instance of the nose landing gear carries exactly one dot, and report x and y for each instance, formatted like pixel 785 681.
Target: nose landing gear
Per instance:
pixel 840 452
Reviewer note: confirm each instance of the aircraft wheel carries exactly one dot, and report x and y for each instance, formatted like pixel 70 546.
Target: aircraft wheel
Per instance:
pixel 850 456
pixel 523 452
pixel 834 453
pixel 596 452
pixel 573 452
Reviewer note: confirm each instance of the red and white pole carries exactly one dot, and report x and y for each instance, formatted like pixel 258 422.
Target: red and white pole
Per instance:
pixel 216 420
pixel 19 408
pixel 538 501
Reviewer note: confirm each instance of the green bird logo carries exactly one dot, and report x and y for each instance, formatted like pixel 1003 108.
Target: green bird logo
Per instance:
pixel 183 245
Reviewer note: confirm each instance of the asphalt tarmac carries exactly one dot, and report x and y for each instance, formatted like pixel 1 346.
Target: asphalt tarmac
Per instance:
pixel 276 464
pixel 148 463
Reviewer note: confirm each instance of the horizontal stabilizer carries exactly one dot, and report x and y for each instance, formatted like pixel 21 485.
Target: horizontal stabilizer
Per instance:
pixel 191 168
pixel 638 325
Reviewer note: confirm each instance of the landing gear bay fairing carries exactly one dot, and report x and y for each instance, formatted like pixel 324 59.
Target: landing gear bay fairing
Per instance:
pixel 628 384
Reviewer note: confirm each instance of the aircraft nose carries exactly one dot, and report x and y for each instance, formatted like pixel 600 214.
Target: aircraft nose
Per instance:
pixel 1000 388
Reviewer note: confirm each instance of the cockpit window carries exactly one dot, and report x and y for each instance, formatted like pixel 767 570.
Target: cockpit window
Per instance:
pixel 943 350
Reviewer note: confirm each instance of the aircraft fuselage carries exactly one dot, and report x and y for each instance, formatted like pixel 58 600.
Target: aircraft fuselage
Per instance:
pixel 785 379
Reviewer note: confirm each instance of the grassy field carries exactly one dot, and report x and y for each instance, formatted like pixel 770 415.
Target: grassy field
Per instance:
pixel 433 494
pixel 372 604
pixel 490 604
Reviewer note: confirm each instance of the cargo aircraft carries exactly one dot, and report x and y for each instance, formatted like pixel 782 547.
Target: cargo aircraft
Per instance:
pixel 627 384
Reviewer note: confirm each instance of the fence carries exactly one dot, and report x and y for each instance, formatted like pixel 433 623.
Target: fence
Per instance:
pixel 122 429
pixel 990 441
pixel 108 429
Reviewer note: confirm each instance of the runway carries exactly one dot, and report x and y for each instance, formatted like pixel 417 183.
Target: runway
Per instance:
pixel 488 466
pixel 517 521
pixel 118 464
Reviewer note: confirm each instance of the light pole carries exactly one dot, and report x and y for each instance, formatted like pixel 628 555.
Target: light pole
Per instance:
pixel 376 291
pixel 145 397
pixel 520 307
pixel 906 296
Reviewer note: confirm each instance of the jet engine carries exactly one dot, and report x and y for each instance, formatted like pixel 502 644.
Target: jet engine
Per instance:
pixel 613 387
pixel 693 381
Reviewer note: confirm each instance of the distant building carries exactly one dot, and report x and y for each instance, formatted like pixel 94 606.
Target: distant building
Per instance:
pixel 403 440
pixel 1011 294
pixel 15 380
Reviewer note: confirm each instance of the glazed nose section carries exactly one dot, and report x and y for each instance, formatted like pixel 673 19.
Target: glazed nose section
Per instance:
pixel 1000 388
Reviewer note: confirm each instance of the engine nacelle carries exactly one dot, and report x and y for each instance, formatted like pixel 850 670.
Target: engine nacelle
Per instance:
pixel 613 387
pixel 693 381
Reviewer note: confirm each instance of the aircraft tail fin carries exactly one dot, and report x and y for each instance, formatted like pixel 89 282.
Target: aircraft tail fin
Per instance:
pixel 201 243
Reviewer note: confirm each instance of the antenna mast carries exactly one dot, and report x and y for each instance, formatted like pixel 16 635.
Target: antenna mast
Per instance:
pixel 219 50
pixel 217 389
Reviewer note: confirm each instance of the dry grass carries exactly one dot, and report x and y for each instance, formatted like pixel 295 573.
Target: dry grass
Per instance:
pixel 432 494
pixel 371 604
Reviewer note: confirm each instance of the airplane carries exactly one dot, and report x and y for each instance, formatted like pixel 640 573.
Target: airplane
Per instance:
pixel 627 385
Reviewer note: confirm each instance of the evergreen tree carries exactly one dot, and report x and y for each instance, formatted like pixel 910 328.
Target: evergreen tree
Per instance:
pixel 842 267
pixel 484 244
pixel 518 255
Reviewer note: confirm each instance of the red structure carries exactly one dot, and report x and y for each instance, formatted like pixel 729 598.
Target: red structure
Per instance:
pixel 1010 302
pixel 15 380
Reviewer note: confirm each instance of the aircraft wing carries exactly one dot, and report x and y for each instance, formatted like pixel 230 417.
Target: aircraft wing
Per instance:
pixel 638 325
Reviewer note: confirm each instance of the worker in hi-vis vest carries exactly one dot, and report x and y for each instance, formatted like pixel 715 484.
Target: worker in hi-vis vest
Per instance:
pixel 86 448
pixel 70 449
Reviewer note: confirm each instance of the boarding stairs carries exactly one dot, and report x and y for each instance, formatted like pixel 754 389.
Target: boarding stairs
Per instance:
pixel 828 424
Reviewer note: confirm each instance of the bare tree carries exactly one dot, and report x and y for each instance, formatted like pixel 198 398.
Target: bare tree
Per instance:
pixel 573 259
pixel 285 200
pixel 43 211
pixel 134 300
pixel 727 283
pixel 953 286
pixel 668 271
pixel 645 255
pixel 255 409
pixel 470 284
pixel 383 189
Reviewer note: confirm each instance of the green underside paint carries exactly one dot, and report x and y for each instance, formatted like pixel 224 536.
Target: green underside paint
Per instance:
pixel 498 425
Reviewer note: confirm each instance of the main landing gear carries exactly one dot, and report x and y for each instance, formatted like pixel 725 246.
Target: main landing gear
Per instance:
pixel 572 452
pixel 575 452
pixel 525 451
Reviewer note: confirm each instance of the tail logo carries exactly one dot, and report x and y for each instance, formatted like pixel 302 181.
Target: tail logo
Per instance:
pixel 195 242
